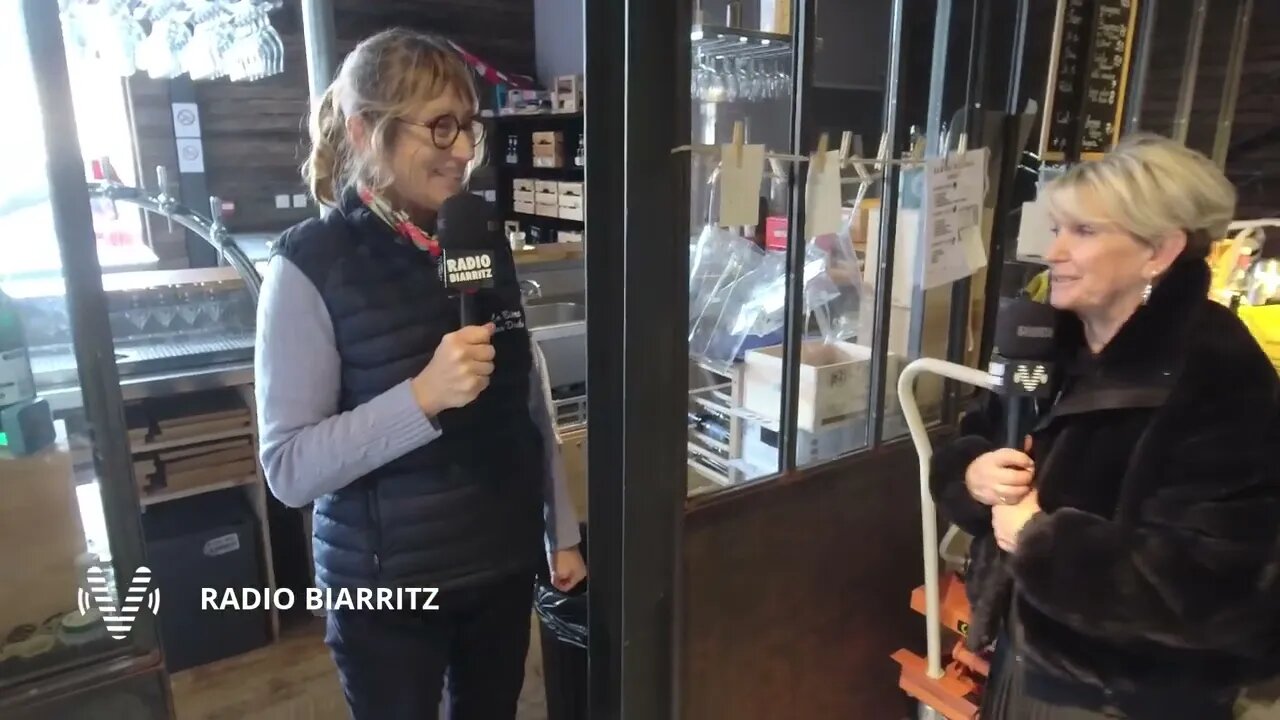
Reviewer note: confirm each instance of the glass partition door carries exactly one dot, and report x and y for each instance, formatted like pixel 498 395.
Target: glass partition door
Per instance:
pixel 75 596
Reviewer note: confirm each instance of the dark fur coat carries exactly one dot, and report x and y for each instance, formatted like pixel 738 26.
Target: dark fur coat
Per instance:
pixel 1155 561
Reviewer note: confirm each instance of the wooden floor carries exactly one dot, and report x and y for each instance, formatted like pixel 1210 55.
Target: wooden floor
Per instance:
pixel 294 679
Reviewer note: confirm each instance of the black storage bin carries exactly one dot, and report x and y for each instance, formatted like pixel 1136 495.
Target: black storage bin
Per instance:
pixel 205 541
pixel 563 632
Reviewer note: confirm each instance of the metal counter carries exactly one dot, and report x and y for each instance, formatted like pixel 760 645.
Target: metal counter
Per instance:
pixel 136 387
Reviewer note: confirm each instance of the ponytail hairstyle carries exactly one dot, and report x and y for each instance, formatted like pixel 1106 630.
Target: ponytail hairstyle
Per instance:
pixel 385 77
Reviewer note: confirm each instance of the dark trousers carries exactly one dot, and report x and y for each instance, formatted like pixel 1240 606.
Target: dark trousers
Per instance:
pixel 393 664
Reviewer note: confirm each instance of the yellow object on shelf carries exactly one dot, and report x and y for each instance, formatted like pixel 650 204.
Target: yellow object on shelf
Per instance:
pixel 1263 322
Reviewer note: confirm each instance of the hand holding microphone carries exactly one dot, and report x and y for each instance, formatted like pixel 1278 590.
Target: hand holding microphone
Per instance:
pixel 463 363
pixel 458 372
pixel 1024 339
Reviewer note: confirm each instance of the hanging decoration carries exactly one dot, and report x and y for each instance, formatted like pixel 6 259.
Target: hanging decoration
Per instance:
pixel 204 39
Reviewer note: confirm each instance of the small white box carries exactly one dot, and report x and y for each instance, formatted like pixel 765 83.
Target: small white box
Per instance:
pixel 760 443
pixel 523 185
pixel 568 94
pixel 547 209
pixel 835 381
pixel 572 189
pixel 550 187
pixel 568 236
pixel 527 208
pixel 527 197
pixel 570 213
pixel 570 202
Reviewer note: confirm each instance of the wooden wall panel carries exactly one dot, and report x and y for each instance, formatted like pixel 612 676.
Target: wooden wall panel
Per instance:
pixel 152 120
pixel 796 595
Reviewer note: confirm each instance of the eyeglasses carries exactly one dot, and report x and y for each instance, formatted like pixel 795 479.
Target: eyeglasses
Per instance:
pixel 445 130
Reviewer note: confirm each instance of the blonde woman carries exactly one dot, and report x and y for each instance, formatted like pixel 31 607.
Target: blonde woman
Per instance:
pixel 426 448
pixel 1126 565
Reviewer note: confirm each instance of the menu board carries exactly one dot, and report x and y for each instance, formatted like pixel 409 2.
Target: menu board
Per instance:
pixel 1085 96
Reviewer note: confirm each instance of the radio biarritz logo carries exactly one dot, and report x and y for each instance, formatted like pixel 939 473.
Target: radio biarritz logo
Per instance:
pixel 119 620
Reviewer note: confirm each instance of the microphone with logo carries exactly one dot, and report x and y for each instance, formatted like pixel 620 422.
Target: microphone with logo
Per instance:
pixel 468 235
pixel 1023 352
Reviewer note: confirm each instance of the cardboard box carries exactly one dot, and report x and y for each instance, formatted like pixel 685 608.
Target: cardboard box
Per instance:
pixel 570 208
pixel 760 443
pixel 548 138
pixel 568 93
pixel 835 381
pixel 571 189
pixel 547 209
pixel 524 185
pixel 546 187
pixel 548 159
pixel 526 197
pixel 527 208
pixel 548 149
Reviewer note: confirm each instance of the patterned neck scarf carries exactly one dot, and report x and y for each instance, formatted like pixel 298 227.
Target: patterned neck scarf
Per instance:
pixel 399 221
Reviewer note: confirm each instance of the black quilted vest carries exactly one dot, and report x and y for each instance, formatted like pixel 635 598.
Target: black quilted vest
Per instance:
pixel 467 508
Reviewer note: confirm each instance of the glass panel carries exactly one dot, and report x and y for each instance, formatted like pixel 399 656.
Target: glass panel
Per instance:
pixel 27 241
pixel 740 75
pixel 55 556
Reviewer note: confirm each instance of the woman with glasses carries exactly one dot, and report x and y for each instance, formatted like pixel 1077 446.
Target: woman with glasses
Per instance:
pixel 427 449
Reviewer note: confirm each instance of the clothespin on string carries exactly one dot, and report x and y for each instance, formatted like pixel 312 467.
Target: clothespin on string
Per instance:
pixel 820 162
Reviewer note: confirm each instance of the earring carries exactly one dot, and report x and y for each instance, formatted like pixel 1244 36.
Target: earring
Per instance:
pixel 1146 293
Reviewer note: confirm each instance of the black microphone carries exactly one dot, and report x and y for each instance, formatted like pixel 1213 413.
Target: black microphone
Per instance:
pixel 1024 343
pixel 468 235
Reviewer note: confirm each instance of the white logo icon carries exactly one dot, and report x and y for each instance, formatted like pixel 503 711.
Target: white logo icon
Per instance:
pixel 119 621
pixel 1030 379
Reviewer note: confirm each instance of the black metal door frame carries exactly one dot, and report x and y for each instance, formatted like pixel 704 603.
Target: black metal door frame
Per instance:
pixel 93 344
pixel 637 264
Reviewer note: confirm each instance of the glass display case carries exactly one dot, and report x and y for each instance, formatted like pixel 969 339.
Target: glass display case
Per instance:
pixel 804 344
pixel 76 600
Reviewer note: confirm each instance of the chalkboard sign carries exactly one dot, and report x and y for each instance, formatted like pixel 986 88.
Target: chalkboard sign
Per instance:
pixel 1084 99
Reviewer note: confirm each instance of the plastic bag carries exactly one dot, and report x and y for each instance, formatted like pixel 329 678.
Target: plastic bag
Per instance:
pixel 565 614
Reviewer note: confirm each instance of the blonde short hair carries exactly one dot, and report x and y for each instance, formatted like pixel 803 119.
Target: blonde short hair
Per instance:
pixel 383 79
pixel 1149 186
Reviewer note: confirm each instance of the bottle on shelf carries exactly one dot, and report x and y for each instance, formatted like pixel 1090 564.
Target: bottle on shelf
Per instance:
pixel 513 150
pixel 580 158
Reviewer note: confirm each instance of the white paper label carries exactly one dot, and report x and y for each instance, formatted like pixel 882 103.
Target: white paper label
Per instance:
pixel 190 155
pixel 740 185
pixel 186 120
pixel 975 251
pixel 1035 232
pixel 822 197
pixel 222 545
pixel 953 203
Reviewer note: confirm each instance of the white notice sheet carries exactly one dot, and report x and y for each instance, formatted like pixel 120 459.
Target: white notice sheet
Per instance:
pixel 953 247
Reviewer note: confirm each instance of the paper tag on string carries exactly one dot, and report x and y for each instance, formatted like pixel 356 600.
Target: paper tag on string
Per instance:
pixel 954 193
pixel 822 214
pixel 740 185
pixel 975 251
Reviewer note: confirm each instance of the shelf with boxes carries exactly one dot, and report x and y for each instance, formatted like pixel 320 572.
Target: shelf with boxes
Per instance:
pixel 540 169
pixel 198 451
pixel 547 198
pixel 734 413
